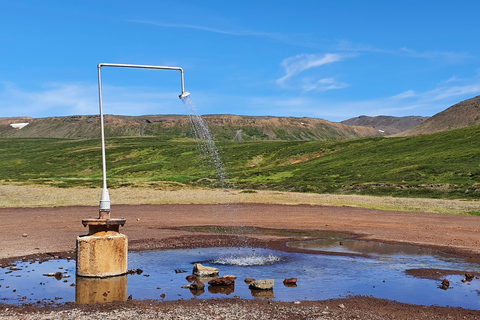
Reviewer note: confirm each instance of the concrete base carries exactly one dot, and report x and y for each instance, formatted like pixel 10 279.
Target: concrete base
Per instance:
pixel 102 254
pixel 95 290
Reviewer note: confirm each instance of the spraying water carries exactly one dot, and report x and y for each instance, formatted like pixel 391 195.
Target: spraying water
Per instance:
pixel 206 144
pixel 212 160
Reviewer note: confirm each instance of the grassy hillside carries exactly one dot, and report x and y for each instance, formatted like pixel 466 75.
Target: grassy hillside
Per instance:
pixel 460 115
pixel 441 165
pixel 224 127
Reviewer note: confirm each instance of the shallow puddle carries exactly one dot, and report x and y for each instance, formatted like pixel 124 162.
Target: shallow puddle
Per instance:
pixel 381 274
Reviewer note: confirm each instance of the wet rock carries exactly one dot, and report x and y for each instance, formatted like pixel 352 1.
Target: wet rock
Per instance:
pixel 231 276
pixel 290 281
pixel 203 271
pixel 180 271
pixel 445 284
pixel 197 285
pixel 223 281
pixel 58 275
pixel 469 276
pixel 139 271
pixel 266 284
pixel 191 278
pixel 249 280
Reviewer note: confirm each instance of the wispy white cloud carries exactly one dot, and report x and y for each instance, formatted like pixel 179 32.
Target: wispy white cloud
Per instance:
pixel 298 64
pixel 285 38
pixel 325 84
pixel 448 57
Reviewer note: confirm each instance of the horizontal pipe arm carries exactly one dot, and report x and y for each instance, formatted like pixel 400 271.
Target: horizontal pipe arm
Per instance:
pixel 142 66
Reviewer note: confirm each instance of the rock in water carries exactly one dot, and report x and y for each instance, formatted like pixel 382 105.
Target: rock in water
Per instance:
pixel 197 285
pixel 445 284
pixel 203 271
pixel 249 280
pixel 262 284
pixel 290 281
pixel 224 281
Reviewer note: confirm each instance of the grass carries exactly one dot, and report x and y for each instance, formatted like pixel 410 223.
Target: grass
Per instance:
pixel 19 195
pixel 441 166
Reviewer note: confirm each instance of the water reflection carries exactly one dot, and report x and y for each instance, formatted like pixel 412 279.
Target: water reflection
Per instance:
pixel 372 248
pixel 97 290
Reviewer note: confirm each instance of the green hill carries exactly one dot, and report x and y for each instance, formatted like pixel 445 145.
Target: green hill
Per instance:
pixel 441 165
pixel 223 127
pixel 460 115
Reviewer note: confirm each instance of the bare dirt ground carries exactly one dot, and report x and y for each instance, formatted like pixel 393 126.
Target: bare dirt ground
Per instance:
pixel 26 232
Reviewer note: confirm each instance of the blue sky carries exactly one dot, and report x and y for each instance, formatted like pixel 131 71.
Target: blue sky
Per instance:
pixel 325 59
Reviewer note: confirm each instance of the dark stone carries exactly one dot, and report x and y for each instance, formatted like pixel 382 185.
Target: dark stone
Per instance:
pixel 290 281
pixel 445 284
pixel 197 285
pixel 222 282
pixel 469 276
pixel 191 278
pixel 249 280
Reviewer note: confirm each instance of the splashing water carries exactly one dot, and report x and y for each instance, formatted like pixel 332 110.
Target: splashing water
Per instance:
pixel 249 260
pixel 205 144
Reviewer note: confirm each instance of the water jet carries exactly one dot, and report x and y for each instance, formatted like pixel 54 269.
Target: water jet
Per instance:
pixel 103 251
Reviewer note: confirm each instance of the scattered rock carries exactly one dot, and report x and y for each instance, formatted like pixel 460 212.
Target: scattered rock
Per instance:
pixel 191 278
pixel 341 306
pixel 180 271
pixel 197 285
pixel 223 281
pixel 469 277
pixel 290 281
pixel 266 284
pixel 24 235
pixel 203 271
pixel 249 280
pixel 139 271
pixel 445 284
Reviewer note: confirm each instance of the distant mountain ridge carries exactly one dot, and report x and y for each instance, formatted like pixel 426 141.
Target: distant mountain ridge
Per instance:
pixel 223 127
pixel 386 125
pixel 460 115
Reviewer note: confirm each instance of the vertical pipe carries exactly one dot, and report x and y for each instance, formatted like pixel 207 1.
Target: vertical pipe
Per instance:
pixel 105 198
pixel 102 127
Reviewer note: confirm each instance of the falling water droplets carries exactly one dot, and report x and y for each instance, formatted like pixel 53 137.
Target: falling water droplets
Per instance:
pixel 206 145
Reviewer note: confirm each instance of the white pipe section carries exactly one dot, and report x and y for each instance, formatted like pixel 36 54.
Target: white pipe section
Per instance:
pixel 105 198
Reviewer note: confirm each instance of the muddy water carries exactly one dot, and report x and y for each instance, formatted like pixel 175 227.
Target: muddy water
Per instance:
pixel 381 273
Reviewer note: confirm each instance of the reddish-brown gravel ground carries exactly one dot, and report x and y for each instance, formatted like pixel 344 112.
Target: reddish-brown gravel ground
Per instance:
pixel 28 232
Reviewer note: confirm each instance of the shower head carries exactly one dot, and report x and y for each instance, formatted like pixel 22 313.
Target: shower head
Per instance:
pixel 184 94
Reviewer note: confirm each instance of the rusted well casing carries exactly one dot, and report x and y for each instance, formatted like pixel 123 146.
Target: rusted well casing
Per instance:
pixel 104 251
